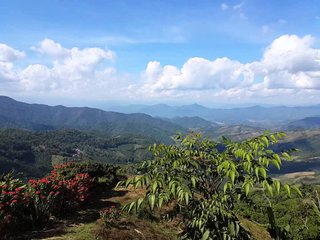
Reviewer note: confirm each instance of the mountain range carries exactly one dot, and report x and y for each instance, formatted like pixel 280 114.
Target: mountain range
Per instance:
pixel 253 116
pixel 158 121
pixel 15 114
pixel 124 137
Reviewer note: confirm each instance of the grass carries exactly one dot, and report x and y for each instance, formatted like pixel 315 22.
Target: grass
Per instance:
pixel 258 232
pixel 78 232
pixel 86 223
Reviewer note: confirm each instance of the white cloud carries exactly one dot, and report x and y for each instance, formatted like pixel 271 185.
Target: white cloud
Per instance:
pixel 7 72
pixel 72 68
pixel 291 53
pixel 198 73
pixel 9 54
pixel 289 66
pixel 74 72
pixel 51 48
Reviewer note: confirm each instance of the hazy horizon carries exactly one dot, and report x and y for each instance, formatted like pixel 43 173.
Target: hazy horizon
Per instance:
pixel 116 106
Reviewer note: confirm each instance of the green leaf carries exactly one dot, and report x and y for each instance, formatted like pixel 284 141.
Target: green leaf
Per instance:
pixel 160 202
pixel 265 141
pixel 152 199
pixel 205 236
pixel 276 184
pixel 139 202
pixel 296 188
pixel 270 189
pixel 263 172
pixel 193 181
pixel 247 188
pixel 287 188
pixel 286 156
pixel 226 186
pixel 232 176
pixel 131 206
pixel 154 186
pixel 276 163
pixel 186 197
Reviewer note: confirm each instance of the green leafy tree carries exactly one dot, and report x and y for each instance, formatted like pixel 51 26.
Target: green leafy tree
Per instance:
pixel 204 179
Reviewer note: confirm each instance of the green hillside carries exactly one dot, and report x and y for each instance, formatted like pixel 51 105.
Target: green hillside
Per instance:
pixel 34 152
pixel 14 114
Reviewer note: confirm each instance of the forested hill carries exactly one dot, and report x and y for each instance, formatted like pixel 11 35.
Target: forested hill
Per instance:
pixel 33 153
pixel 14 114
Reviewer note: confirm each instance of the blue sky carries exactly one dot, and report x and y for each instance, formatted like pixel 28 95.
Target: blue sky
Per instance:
pixel 177 51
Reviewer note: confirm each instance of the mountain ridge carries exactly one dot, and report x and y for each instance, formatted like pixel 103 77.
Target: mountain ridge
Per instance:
pixel 43 117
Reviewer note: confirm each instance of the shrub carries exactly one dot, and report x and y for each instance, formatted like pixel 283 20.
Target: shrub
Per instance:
pixel 13 200
pixel 205 181
pixel 64 189
pixel 110 216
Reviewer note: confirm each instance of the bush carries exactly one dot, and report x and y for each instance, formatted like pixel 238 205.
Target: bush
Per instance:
pixel 110 216
pixel 205 180
pixel 14 198
pixel 64 189
pixel 94 170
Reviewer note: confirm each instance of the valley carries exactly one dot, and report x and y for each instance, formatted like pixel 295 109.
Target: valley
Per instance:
pixel 35 136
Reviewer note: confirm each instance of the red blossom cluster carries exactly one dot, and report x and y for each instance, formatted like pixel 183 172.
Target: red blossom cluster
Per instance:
pixel 51 195
pixel 10 199
pixel 110 215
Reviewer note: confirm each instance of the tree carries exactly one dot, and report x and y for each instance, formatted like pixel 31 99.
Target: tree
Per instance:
pixel 205 179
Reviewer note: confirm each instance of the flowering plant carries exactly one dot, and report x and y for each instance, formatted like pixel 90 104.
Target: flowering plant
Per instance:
pixel 110 215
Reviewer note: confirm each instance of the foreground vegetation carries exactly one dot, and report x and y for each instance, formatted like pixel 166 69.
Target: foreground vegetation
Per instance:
pixel 193 189
pixel 205 182
pixel 68 186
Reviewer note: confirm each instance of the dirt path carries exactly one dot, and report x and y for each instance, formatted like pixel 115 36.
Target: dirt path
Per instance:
pixel 84 224
pixel 57 229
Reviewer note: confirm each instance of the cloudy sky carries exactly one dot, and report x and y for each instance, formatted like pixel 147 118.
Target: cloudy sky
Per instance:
pixel 81 52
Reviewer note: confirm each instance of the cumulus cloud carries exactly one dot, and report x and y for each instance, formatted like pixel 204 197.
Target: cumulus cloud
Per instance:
pixel 289 66
pixel 51 48
pixel 289 62
pixel 9 54
pixel 72 68
pixel 199 73
pixel 73 71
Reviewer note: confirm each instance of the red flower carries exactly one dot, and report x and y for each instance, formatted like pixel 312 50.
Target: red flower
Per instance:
pixel 14 201
pixel 38 192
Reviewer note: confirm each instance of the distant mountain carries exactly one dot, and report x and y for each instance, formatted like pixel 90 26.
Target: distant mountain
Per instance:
pixel 305 123
pixel 193 122
pixel 14 114
pixel 253 116
pixel 165 111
